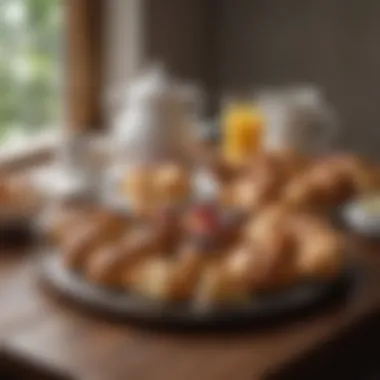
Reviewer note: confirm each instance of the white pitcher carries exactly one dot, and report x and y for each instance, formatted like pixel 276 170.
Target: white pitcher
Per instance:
pixel 154 119
pixel 298 119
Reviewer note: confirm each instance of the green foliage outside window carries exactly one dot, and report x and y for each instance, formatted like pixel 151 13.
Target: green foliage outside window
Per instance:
pixel 30 66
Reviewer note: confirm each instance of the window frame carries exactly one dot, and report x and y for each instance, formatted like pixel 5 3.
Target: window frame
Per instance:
pixel 83 81
pixel 84 63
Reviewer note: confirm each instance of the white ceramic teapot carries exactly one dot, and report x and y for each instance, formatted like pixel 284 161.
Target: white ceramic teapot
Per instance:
pixel 298 119
pixel 154 120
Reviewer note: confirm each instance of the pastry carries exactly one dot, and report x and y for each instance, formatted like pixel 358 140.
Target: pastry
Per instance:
pixel 265 233
pixel 335 185
pixel 114 263
pixel 104 266
pixel 150 187
pixel 154 278
pixel 250 194
pixel 272 218
pixel 168 226
pixel 282 165
pixel 99 231
pixel 139 190
pixel 320 255
pixel 171 183
pixel 301 194
pixel 187 268
pixel 248 267
pixel 350 174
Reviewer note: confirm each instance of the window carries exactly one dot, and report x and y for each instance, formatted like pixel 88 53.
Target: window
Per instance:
pixel 31 33
pixel 58 61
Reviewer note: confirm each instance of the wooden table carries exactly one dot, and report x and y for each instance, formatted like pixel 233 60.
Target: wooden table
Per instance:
pixel 41 330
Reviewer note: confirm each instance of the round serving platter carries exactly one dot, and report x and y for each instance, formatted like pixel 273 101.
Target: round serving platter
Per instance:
pixel 128 306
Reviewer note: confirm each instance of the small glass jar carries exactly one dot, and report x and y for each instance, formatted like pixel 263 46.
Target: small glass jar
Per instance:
pixel 242 128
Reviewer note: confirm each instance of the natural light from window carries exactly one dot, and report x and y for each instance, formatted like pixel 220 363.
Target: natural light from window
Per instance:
pixel 30 68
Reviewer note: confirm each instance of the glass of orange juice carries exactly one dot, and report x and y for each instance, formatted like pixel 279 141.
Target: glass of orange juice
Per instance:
pixel 242 128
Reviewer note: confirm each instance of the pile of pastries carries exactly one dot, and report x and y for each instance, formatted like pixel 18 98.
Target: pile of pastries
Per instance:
pixel 302 184
pixel 200 253
pixel 265 230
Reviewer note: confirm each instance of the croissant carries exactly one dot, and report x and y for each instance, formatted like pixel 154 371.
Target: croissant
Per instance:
pixel 166 277
pixel 272 218
pixel 262 239
pixel 247 267
pixel 187 268
pixel 113 264
pixel 321 249
pixel 104 266
pixel 301 194
pixel 355 175
pixel 231 231
pixel 281 265
pixel 251 195
pixel 169 227
pixel 334 184
pixel 282 165
pixel 321 256
pixel 80 245
pixel 154 279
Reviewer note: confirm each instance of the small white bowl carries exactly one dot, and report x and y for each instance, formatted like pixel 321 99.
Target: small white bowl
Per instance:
pixel 361 220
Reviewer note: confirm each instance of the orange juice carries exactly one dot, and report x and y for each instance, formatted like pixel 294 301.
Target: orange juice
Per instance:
pixel 242 130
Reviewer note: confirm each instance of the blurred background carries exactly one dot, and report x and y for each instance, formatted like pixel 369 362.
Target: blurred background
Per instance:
pixel 225 45
pixel 62 61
